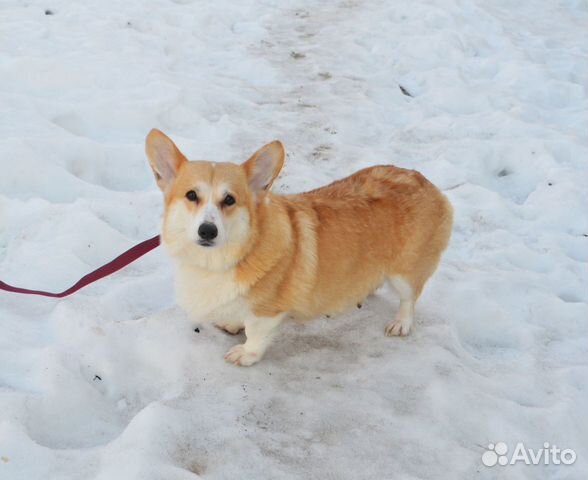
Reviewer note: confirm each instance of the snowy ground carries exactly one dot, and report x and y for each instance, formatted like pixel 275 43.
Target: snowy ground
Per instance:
pixel 113 383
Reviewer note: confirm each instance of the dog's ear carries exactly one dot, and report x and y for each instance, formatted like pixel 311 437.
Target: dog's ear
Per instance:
pixel 164 157
pixel 264 166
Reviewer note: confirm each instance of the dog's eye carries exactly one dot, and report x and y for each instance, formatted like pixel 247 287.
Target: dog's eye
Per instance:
pixel 229 200
pixel 191 195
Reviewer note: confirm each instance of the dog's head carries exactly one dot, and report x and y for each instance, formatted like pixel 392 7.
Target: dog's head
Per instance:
pixel 210 208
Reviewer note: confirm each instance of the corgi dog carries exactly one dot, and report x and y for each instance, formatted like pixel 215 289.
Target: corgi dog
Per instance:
pixel 245 257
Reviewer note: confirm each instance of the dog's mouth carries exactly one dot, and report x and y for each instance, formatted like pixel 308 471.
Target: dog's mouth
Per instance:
pixel 205 243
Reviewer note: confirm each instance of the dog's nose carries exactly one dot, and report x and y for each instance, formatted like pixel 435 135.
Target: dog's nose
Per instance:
pixel 207 231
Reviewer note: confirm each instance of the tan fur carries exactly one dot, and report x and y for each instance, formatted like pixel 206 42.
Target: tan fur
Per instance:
pixel 312 253
pixel 333 246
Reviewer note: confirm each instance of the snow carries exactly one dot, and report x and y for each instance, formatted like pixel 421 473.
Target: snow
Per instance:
pixel 114 383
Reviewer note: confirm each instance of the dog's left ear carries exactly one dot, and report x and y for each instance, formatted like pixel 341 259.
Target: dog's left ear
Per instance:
pixel 264 166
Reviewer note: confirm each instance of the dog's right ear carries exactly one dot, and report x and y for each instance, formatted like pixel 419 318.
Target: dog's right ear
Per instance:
pixel 164 157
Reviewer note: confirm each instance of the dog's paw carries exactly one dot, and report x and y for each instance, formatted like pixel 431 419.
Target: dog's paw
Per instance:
pixel 238 356
pixel 399 327
pixel 232 328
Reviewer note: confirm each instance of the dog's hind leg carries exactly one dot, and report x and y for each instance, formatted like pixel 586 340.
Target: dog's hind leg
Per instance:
pixel 408 295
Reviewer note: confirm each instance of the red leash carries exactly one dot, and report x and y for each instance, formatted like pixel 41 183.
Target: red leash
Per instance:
pixel 119 262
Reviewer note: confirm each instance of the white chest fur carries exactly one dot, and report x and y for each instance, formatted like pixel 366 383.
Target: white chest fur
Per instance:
pixel 209 296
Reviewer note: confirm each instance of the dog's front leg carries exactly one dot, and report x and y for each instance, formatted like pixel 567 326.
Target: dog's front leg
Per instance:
pixel 258 331
pixel 232 327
